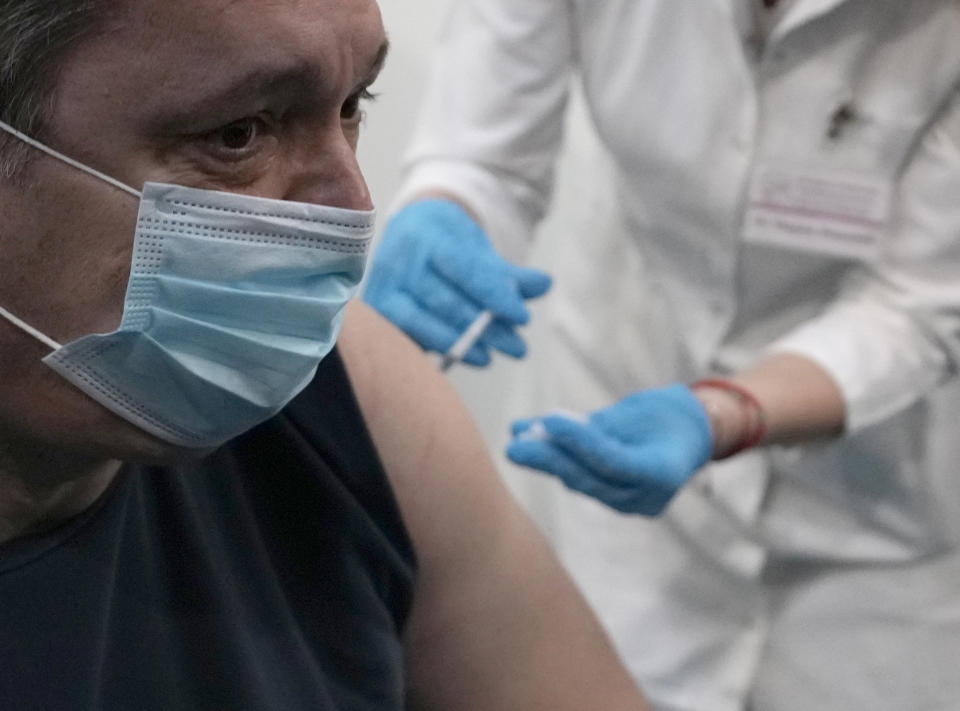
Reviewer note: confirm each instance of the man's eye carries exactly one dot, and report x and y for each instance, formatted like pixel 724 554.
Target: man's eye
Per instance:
pixel 237 136
pixel 351 107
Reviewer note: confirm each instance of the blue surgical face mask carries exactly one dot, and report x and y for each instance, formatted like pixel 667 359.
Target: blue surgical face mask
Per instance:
pixel 232 303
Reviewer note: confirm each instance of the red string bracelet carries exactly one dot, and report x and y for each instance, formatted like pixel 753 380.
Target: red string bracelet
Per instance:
pixel 755 428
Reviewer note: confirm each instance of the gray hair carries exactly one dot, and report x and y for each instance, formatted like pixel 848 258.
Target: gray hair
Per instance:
pixel 35 35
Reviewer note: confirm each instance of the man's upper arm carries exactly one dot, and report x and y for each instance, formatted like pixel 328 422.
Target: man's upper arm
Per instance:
pixel 496 622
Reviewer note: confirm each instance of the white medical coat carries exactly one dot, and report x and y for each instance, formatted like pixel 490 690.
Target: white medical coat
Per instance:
pixel 824 576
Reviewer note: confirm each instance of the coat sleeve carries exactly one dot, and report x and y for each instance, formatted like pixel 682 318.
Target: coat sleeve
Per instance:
pixel 492 119
pixel 893 333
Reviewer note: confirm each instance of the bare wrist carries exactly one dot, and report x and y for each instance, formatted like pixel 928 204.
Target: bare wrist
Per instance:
pixel 737 420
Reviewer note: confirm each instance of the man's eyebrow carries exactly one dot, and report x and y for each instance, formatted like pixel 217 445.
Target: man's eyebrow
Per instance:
pixel 378 61
pixel 246 92
pixel 292 85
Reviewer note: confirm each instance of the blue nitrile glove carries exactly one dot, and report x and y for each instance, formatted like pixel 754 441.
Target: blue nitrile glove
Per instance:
pixel 435 271
pixel 633 456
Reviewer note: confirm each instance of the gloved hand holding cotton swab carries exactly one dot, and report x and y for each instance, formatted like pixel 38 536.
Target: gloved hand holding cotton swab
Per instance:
pixel 634 455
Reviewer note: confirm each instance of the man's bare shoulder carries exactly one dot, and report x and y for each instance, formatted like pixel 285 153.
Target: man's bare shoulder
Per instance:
pixel 426 439
pixel 386 368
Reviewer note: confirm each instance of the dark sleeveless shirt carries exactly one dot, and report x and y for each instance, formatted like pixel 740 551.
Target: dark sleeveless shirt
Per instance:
pixel 274 574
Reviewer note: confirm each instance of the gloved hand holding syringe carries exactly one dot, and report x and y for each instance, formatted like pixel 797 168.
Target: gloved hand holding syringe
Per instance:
pixel 437 276
pixel 463 344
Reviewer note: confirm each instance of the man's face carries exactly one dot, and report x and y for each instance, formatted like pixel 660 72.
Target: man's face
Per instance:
pixel 252 96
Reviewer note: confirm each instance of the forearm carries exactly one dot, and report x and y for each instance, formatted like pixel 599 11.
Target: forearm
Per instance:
pixel 798 401
pixel 471 139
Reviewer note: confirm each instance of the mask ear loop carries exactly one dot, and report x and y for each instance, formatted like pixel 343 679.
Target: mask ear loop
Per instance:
pixel 23 325
pixel 69 161
pixel 19 323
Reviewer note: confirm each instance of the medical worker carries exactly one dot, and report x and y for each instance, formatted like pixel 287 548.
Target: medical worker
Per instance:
pixel 781 267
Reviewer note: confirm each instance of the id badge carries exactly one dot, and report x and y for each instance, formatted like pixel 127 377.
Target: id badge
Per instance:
pixel 842 215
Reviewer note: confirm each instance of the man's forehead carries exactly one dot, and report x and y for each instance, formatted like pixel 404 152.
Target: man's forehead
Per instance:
pixel 208 35
pixel 253 15
pixel 160 57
